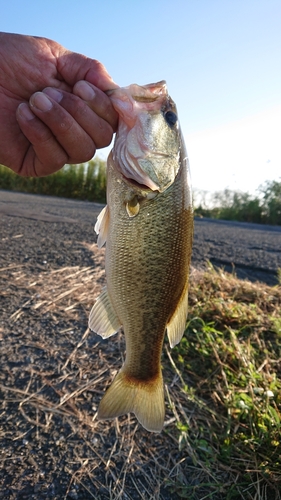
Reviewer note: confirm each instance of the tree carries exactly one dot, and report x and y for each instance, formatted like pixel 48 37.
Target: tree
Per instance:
pixel 271 191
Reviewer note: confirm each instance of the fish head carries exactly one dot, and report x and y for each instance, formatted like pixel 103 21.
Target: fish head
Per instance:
pixel 148 140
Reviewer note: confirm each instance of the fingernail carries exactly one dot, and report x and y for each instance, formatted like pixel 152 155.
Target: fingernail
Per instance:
pixel 55 94
pixel 41 101
pixel 25 112
pixel 85 91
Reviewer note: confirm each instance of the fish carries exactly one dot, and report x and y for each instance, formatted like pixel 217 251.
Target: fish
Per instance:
pixel 147 226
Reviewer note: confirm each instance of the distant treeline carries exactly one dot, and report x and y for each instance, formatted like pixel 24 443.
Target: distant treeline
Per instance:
pixel 265 208
pixel 87 181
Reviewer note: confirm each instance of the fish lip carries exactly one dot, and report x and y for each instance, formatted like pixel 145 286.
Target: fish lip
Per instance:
pixel 158 89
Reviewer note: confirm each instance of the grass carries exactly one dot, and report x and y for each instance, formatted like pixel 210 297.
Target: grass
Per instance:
pixel 229 363
pixel 221 439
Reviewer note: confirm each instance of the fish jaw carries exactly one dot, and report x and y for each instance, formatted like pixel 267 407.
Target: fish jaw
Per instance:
pixel 127 100
pixel 146 145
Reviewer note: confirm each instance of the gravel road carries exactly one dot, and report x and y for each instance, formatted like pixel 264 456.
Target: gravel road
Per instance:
pixel 53 373
pixel 50 230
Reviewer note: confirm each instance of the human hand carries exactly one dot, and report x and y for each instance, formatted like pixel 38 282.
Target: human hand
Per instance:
pixel 53 109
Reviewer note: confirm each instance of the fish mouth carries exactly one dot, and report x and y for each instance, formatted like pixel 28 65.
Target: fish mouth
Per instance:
pixel 142 98
pixel 139 186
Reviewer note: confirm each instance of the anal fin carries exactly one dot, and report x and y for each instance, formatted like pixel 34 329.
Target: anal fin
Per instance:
pixel 177 323
pixel 103 319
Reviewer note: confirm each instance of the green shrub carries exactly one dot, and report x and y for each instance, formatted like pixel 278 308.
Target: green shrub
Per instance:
pixel 86 181
pixel 263 208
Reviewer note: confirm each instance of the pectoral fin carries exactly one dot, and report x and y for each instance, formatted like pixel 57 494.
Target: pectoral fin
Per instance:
pixel 176 325
pixel 103 319
pixel 133 207
pixel 102 226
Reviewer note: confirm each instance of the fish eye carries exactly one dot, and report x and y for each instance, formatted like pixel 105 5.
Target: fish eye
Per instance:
pixel 171 118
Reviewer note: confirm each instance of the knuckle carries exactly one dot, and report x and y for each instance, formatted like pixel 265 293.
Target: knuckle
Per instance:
pixel 89 152
pixel 81 155
pixel 59 161
pixel 99 67
pixel 104 135
pixel 52 160
pixel 81 110
pixel 64 125
pixel 41 134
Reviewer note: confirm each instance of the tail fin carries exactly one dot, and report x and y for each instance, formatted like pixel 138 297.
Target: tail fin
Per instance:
pixel 144 399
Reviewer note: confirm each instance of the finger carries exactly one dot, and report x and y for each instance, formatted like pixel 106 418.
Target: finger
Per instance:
pixel 74 67
pixel 44 155
pixel 98 76
pixel 91 121
pixel 98 101
pixel 78 145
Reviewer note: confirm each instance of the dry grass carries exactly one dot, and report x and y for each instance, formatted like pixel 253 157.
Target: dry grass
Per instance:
pixel 221 438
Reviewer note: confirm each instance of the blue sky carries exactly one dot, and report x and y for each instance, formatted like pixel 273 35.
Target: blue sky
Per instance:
pixel 221 60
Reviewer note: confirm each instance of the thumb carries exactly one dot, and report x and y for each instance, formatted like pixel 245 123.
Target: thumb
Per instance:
pixel 74 67
pixel 99 77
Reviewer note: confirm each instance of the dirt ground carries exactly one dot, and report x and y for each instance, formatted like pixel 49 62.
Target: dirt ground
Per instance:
pixel 54 371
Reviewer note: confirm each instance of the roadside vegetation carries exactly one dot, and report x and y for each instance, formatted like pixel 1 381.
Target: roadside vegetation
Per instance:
pixel 229 366
pixel 263 208
pixel 87 181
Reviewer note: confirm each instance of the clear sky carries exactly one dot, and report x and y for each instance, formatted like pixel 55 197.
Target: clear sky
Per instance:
pixel 221 60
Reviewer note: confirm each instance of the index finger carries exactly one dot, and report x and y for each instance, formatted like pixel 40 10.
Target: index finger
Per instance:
pixel 98 101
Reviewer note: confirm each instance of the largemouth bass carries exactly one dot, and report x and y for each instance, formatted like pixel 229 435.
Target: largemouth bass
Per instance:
pixel 148 228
